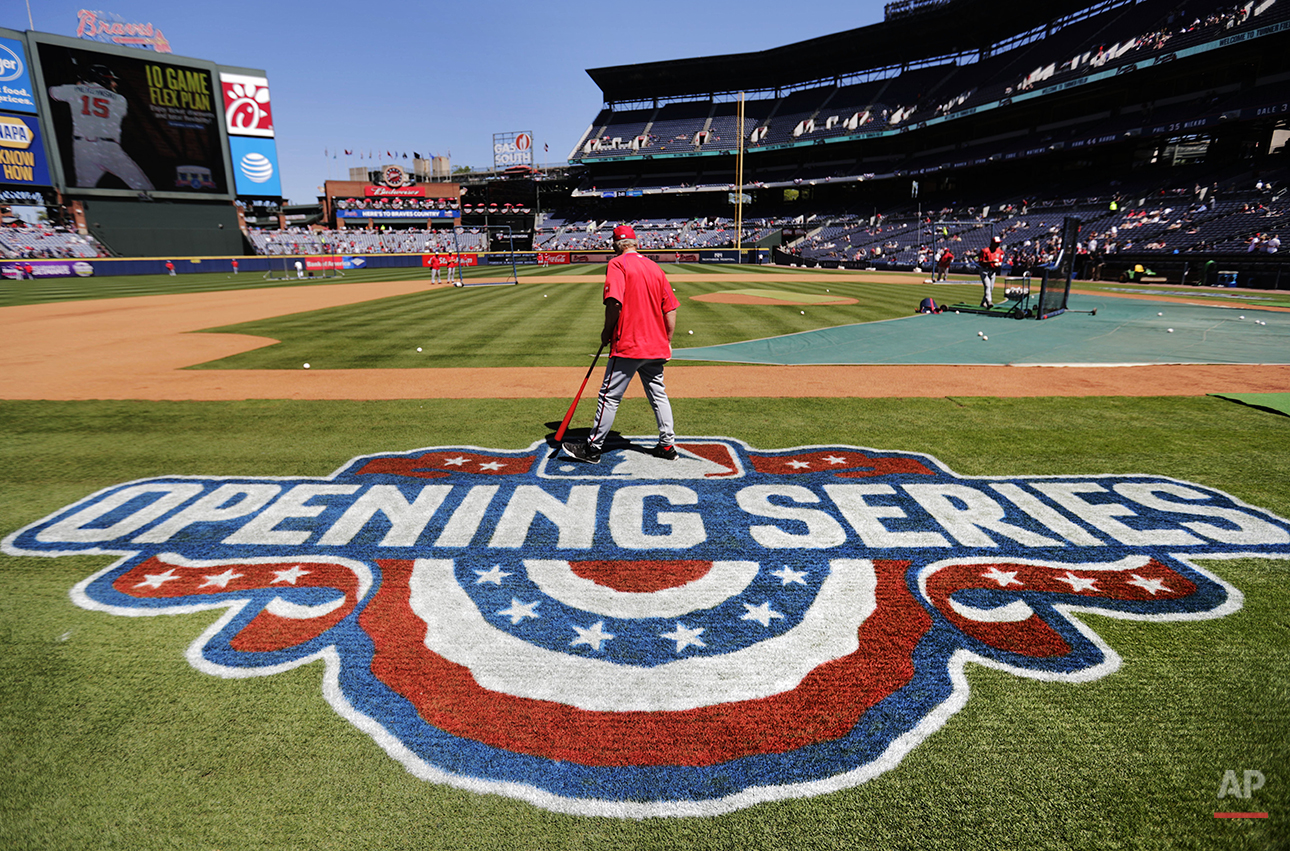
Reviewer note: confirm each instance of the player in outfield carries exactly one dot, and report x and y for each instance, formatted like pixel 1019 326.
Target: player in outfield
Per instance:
pixel 640 317
pixel 97 112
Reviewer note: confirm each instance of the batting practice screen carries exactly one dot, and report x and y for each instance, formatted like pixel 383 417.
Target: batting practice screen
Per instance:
pixel 1057 280
pixel 128 125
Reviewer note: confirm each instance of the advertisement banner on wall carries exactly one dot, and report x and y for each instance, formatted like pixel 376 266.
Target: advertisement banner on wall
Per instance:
pixel 16 90
pixel 448 260
pixel 247 110
pixel 553 258
pixel 255 167
pixel 127 125
pixel 17 269
pixel 395 214
pixel 719 256
pixel 22 152
pixel 324 264
pixel 672 256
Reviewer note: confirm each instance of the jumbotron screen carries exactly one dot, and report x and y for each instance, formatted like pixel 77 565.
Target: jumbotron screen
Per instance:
pixel 126 124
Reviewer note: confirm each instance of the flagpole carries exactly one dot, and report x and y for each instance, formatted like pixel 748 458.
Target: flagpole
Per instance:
pixel 739 187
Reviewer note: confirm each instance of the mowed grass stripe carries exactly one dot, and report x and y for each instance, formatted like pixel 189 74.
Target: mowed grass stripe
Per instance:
pixel 544 323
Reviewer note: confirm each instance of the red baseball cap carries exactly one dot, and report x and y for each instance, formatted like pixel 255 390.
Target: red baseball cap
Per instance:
pixel 624 232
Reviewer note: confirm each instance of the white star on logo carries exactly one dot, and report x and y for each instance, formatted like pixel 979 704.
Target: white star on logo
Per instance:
pixel 1154 586
pixel 518 611
pixel 289 575
pixel 492 465
pixel 762 614
pixel 221 579
pixel 835 459
pixel 1003 577
pixel 684 636
pixel 494 575
pixel 593 635
pixel 788 576
pixel 454 462
pixel 799 465
pixel 1078 583
pixel 156 580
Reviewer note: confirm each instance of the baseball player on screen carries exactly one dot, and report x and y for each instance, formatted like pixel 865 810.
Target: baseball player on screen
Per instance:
pixel 97 113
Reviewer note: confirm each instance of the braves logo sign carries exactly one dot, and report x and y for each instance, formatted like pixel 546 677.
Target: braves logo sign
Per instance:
pixel 649 637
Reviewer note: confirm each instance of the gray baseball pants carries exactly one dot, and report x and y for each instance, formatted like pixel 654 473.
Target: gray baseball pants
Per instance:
pixel 618 374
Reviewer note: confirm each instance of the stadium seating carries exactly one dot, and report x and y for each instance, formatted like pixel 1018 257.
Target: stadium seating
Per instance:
pixel 39 241
pixel 1102 39
pixel 296 241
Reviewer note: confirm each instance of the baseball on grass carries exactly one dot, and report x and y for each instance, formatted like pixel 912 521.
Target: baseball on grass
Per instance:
pixel 418 348
pixel 1170 330
pixel 691 332
pixel 984 337
pixel 306 366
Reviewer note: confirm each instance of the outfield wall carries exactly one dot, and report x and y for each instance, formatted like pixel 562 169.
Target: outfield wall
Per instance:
pixel 87 267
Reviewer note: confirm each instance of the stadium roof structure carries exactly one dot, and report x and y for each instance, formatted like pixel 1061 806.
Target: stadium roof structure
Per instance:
pixel 961 26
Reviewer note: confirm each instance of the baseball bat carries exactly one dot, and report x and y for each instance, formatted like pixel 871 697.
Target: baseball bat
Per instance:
pixel 559 433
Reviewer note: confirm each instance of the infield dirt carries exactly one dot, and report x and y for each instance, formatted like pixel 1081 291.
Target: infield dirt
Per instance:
pixel 138 348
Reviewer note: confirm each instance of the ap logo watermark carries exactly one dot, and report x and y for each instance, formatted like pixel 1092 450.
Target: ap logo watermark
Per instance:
pixel 1232 785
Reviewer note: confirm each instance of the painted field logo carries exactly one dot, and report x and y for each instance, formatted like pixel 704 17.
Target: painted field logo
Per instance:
pixel 654 638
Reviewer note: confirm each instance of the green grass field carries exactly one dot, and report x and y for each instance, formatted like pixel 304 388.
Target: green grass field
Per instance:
pixel 111 740
pixel 540 323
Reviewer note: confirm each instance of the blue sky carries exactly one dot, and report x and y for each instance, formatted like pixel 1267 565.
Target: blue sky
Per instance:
pixel 443 77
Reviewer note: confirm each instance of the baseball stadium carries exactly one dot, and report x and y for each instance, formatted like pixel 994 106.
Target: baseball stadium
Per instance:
pixel 970 532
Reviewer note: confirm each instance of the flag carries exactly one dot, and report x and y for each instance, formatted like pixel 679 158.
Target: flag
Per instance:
pixel 324 152
pixel 415 155
pixel 348 152
pixel 405 155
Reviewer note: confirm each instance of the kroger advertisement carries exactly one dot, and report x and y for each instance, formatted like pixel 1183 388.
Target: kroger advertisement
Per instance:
pixel 16 91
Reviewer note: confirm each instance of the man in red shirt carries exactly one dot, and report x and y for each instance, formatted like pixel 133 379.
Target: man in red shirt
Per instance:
pixel 988 265
pixel 640 317
pixel 943 265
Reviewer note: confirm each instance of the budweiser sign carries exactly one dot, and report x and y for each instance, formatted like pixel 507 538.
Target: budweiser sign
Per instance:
pixel 394 191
